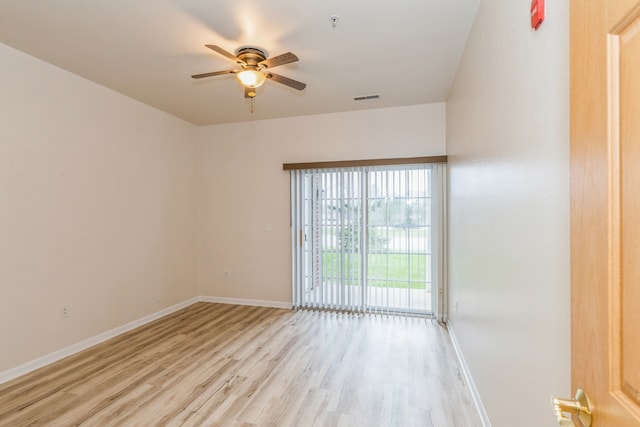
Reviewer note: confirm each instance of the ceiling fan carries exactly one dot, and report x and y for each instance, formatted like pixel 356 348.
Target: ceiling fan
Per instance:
pixel 254 68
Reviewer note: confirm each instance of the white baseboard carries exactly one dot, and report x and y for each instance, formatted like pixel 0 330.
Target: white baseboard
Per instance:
pixel 466 372
pixel 47 359
pixel 251 302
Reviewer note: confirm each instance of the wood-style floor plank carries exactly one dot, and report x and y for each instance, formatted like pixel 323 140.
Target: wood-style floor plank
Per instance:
pixel 225 365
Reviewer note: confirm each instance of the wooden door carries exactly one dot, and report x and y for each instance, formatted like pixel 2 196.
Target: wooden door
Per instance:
pixel 605 207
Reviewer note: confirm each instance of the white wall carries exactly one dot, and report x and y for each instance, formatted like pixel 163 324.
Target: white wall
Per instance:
pixel 97 209
pixel 507 141
pixel 242 186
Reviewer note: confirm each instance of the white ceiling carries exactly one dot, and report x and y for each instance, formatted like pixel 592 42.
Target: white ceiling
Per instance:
pixel 407 51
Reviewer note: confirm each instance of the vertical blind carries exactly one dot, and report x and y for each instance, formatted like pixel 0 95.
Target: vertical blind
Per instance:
pixel 369 238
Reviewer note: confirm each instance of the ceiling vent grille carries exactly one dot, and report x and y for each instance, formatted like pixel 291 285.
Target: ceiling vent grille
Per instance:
pixel 363 98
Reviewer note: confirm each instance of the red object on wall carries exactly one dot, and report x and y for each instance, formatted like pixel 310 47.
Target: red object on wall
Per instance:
pixel 537 13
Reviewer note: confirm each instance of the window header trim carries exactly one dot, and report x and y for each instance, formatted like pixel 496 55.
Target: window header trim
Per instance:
pixel 368 162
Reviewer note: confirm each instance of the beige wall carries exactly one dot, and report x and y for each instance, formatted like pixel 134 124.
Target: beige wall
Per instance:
pixel 507 140
pixel 97 209
pixel 242 186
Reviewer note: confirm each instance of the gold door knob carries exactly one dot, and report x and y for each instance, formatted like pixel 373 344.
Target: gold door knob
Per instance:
pixel 579 406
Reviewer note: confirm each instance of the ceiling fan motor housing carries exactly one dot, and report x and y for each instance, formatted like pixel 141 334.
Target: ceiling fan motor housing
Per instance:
pixel 252 56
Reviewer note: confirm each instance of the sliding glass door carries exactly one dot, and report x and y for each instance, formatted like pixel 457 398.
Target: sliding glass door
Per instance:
pixel 363 238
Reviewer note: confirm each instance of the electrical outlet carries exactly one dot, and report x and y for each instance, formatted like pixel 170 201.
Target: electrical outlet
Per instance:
pixel 227 274
pixel 64 312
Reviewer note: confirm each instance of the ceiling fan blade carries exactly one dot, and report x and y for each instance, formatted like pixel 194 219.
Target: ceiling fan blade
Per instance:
pixel 275 61
pixel 224 53
pixel 286 81
pixel 214 73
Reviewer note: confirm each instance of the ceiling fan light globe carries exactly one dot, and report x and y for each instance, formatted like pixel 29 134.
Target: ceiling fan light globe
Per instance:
pixel 251 78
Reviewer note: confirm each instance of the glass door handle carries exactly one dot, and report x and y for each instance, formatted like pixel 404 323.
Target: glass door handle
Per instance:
pixel 580 406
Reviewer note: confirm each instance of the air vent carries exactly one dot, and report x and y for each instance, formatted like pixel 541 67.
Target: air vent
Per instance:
pixel 362 98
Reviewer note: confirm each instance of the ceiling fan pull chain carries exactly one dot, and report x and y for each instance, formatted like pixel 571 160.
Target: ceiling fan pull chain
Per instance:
pixel 252 104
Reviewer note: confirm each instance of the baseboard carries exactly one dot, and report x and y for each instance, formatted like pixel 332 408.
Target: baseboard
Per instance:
pixel 466 372
pixel 47 359
pixel 40 362
pixel 251 302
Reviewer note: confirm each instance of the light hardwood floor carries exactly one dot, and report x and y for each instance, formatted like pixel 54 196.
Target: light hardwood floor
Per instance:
pixel 225 365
